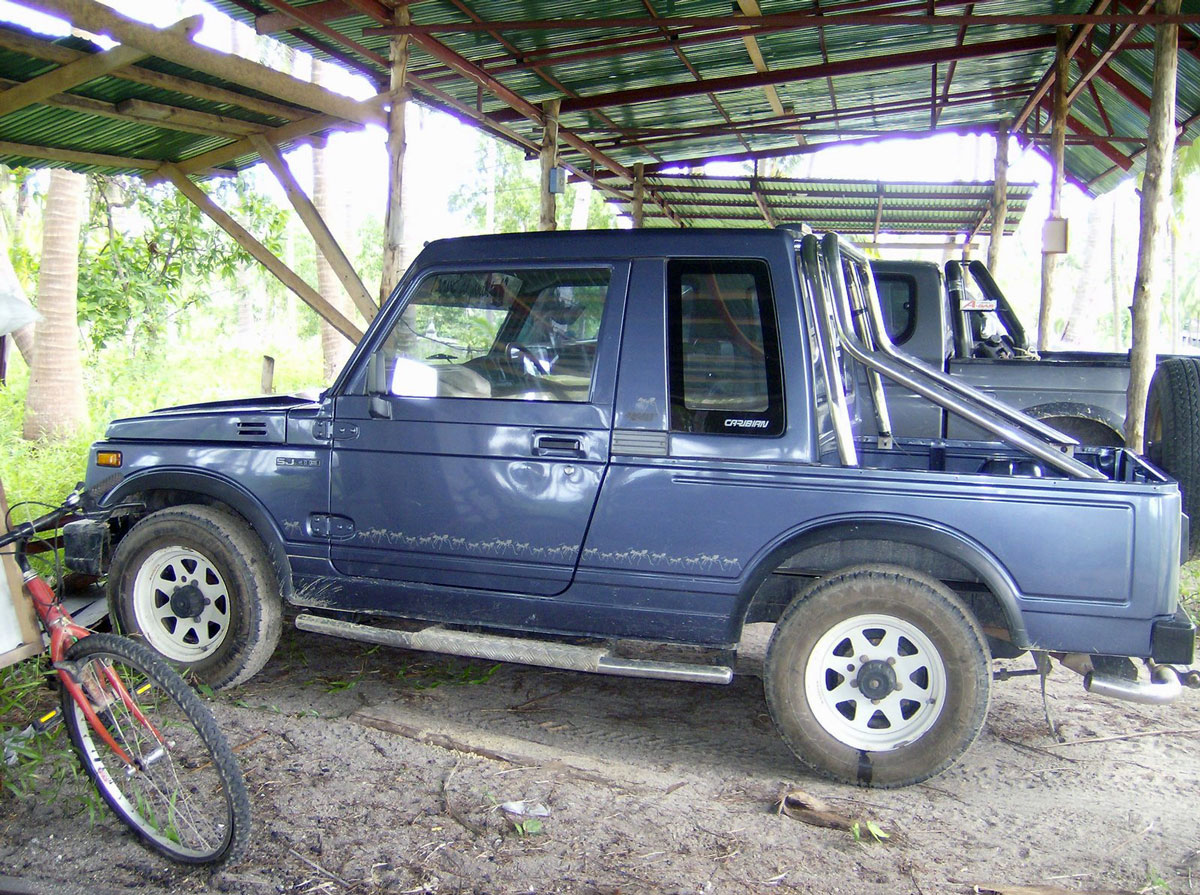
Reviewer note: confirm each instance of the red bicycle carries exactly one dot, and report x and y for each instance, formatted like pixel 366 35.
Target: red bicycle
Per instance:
pixel 146 740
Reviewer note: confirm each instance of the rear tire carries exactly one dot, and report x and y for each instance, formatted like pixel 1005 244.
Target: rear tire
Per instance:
pixel 183 794
pixel 1173 433
pixel 878 676
pixel 196 584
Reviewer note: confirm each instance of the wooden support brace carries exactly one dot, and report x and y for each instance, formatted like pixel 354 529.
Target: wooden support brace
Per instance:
pixel 261 253
pixel 327 244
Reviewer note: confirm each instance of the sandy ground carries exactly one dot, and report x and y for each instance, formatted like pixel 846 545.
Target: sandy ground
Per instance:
pixel 380 770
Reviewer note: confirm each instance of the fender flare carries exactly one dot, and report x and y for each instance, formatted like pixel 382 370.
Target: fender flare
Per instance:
pixel 223 491
pixel 901 530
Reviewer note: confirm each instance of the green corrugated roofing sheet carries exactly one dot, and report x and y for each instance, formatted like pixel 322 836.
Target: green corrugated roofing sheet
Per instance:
pixel 893 100
pixel 86 119
pixel 848 206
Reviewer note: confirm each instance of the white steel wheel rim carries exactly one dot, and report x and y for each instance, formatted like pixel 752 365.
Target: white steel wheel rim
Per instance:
pixel 180 638
pixel 896 718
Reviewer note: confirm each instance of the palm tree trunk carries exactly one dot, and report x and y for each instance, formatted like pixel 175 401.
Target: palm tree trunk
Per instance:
pixel 56 405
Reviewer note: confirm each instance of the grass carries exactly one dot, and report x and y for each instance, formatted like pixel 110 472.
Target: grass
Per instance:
pixel 200 365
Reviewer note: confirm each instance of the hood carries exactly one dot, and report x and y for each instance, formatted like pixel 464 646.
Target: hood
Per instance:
pixel 260 419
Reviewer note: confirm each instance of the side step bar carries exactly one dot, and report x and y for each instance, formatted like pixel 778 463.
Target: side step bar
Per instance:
pixel 523 651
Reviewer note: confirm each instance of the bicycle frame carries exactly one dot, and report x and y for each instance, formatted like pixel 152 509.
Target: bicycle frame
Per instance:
pixel 63 631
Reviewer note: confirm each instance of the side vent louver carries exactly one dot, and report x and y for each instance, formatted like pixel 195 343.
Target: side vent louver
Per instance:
pixel 251 428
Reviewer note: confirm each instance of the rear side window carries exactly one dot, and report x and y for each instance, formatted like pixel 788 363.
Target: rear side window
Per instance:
pixel 724 348
pixel 898 299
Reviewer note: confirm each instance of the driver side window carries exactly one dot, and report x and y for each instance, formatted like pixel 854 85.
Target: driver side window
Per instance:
pixel 513 334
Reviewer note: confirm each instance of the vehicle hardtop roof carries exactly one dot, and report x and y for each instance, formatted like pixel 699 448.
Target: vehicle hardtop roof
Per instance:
pixel 583 245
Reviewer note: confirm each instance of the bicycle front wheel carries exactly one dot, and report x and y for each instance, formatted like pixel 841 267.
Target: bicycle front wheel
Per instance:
pixel 175 781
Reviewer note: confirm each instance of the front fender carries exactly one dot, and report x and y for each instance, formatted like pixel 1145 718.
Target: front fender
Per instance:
pixel 182 485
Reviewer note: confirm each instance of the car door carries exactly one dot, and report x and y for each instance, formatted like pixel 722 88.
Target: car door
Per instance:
pixel 473 454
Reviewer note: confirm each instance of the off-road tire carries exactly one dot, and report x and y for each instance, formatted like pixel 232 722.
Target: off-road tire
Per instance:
pixel 1173 433
pixel 814 670
pixel 242 616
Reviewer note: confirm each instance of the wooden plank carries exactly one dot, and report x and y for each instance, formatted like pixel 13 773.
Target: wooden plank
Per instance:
pixel 41 49
pixel 27 93
pixel 227 153
pixel 70 156
pixel 27 623
pixel 271 22
pixel 179 118
pixel 326 242
pixel 261 253
pixel 95 17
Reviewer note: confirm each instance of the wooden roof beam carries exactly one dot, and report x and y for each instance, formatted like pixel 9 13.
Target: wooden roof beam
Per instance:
pixel 18 42
pixel 75 157
pixel 84 69
pixel 97 18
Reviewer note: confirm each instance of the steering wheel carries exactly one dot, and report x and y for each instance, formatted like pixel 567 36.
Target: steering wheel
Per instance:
pixel 514 350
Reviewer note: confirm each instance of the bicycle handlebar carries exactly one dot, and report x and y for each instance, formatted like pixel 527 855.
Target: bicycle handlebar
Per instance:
pixel 82 500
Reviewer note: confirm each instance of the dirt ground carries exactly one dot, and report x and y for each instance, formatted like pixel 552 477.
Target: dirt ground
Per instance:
pixel 379 770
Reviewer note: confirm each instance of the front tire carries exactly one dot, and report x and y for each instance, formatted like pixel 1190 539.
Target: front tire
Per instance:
pixel 878 676
pixel 196 584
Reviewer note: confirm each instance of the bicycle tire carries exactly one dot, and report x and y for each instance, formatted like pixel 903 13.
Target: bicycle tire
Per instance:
pixel 184 795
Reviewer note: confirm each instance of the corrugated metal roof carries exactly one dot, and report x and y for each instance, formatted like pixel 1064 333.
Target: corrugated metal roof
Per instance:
pixel 846 206
pixel 887 75
pixel 122 116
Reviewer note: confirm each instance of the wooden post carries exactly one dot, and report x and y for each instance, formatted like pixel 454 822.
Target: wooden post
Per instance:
pixel 261 253
pixel 393 222
pixel 1156 194
pixel 1058 142
pixel 999 196
pixel 549 158
pixel 327 244
pixel 639 195
pixel 267 377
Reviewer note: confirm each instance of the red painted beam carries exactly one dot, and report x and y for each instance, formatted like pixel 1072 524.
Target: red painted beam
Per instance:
pixel 1128 90
pixel 794 20
pixel 802 73
pixel 1110 152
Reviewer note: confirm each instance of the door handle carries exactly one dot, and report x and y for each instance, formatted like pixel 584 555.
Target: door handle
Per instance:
pixel 558 446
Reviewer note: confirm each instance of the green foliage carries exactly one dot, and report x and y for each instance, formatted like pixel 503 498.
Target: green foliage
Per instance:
pixel 147 252
pixel 514 182
pixel 870 831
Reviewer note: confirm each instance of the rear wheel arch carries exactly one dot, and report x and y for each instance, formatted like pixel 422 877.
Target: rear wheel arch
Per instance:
pixel 1088 424
pixel 945 555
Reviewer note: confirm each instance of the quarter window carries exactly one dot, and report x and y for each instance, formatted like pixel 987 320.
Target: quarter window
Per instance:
pixel 898 301
pixel 724 357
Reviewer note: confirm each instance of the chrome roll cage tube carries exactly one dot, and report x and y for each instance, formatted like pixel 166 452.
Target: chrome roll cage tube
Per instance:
pixel 859 329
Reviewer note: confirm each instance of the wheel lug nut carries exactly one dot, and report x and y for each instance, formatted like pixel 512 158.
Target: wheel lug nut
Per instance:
pixel 850 667
pixel 854 683
pixel 891 660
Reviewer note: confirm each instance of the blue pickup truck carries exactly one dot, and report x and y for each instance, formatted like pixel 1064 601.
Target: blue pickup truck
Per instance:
pixel 549 445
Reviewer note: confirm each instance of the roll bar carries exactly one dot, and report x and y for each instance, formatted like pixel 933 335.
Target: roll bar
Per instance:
pixel 853 318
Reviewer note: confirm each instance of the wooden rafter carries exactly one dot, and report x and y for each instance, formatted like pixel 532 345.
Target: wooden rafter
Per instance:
pixel 97 18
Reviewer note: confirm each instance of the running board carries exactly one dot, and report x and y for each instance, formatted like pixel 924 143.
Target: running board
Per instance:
pixel 523 651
